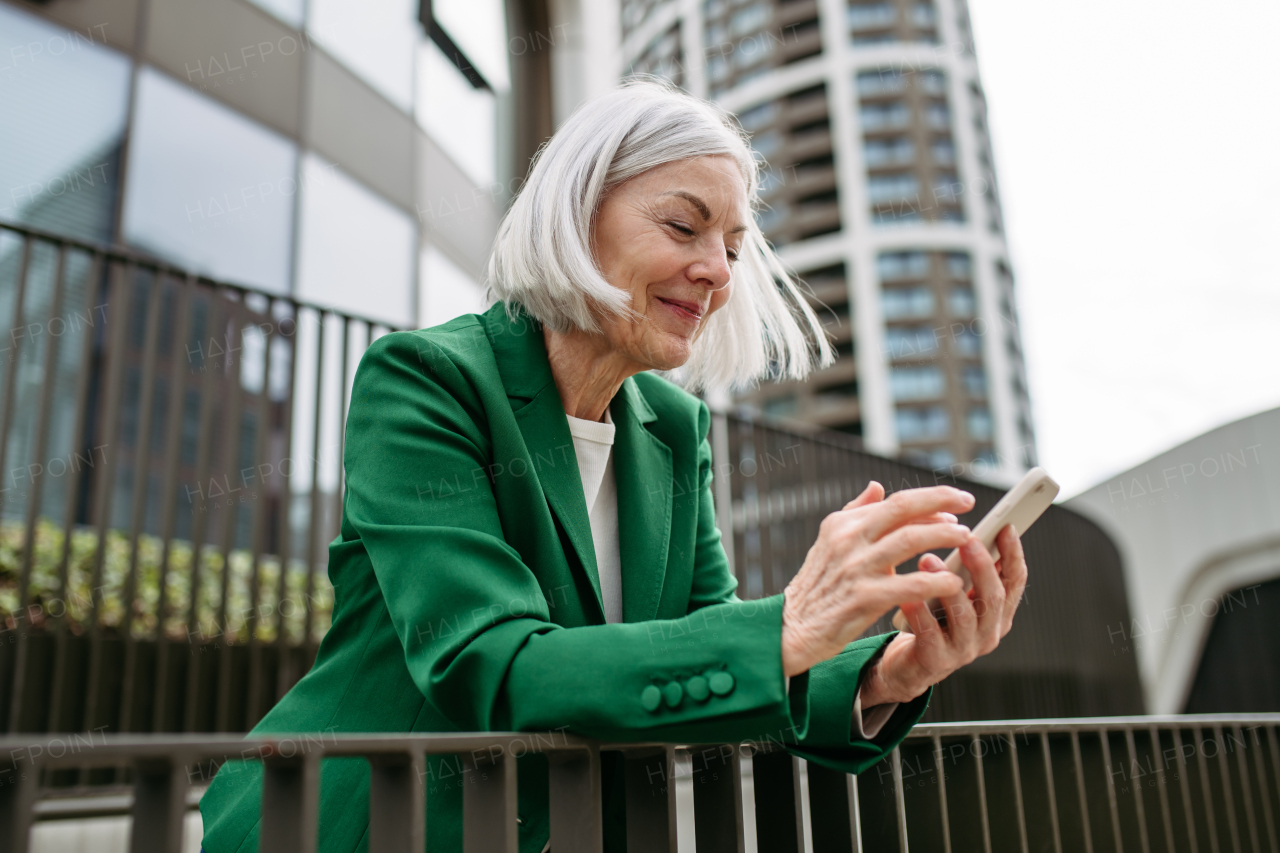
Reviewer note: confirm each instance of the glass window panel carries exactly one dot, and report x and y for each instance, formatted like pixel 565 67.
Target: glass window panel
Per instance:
pixel 896 265
pixel 209 188
pixel 356 250
pixel 978 422
pixel 916 383
pixel 967 343
pixel 961 301
pixel 289 11
pixel 922 424
pixel 872 16
pixel 959 265
pixel 909 341
pixel 900 303
pixel 459 116
pixel 445 291
pixel 63 102
pixel 975 381
pixel 886 187
pixel 376 39
pixel 479 28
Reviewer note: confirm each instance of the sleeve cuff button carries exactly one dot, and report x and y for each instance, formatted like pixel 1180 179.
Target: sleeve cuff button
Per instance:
pixel 697 688
pixel 721 683
pixel 673 693
pixel 651 697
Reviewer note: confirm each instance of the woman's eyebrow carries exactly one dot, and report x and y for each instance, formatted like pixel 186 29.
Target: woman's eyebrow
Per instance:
pixel 701 207
pixel 698 203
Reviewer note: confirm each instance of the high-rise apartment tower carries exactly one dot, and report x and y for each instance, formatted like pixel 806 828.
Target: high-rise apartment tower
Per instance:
pixel 881 193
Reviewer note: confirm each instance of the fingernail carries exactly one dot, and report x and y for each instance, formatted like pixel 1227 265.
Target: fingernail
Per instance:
pixel 949 517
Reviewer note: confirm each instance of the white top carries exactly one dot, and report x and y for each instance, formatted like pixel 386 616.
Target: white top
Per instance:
pixel 593 445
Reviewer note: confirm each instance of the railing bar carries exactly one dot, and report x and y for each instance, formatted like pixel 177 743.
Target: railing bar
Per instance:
pixel 1202 766
pixel 1080 792
pixel 1131 746
pixel 1273 734
pixel 1265 790
pixel 1104 738
pixel 397 819
pixel 102 501
pixel 231 518
pixel 343 359
pixel 142 459
pixel 159 805
pixel 168 498
pixel 1017 791
pixel 11 372
pixel 259 524
pixel 1185 786
pixel 200 522
pixel 576 816
pixel 899 801
pixel 1225 772
pixel 489 807
pixel 857 816
pixel 313 528
pixel 290 794
pixel 1246 791
pixel 17 803
pixel 1053 796
pixel 115 252
pixel 978 744
pixel 37 484
pixel 1162 785
pixel 942 794
pixel 285 533
pixel 78 439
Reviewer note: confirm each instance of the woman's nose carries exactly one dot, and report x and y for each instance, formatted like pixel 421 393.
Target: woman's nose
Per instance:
pixel 712 270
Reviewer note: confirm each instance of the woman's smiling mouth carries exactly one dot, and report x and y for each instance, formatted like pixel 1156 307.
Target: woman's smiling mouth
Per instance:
pixel 685 310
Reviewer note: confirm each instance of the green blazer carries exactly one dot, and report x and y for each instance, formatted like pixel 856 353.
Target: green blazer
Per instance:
pixel 466 596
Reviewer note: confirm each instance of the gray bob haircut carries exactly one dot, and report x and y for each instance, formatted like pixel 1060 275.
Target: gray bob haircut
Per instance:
pixel 542 254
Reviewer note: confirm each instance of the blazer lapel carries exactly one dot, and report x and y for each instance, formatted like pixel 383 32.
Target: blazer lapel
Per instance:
pixel 521 356
pixel 643 471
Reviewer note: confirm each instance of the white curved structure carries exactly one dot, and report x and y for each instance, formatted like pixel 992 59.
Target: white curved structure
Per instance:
pixel 1193 524
pixel 873 119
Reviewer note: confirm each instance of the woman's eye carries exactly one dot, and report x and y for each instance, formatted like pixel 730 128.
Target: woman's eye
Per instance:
pixel 733 256
pixel 683 229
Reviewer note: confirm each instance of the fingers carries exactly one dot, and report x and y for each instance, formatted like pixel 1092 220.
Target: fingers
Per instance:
pixel 916 587
pixel 906 542
pixel 873 493
pixel 935 518
pixel 1013 573
pixel 909 504
pixel 920 618
pixel 988 593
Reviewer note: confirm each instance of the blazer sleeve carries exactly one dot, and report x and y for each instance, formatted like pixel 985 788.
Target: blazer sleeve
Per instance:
pixel 470 616
pixel 832 686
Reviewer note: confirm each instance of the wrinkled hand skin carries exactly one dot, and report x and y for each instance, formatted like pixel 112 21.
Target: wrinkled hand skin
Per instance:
pixel 975 623
pixel 848 580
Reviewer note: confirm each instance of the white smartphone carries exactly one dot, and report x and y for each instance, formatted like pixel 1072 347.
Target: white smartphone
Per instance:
pixel 1020 506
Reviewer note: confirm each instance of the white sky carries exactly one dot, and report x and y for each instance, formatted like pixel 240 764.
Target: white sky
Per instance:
pixel 1137 145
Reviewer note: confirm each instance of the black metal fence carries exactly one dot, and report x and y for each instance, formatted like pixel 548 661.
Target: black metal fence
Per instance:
pixel 170 448
pixel 1106 785
pixel 170 457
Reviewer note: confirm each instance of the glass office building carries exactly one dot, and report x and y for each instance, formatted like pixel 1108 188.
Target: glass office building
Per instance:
pixel 881 192
pixel 345 153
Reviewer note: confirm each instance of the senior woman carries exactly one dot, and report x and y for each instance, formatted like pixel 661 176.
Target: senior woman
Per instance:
pixel 528 540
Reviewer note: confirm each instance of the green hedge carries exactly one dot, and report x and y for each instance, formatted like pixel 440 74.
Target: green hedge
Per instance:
pixel 49 601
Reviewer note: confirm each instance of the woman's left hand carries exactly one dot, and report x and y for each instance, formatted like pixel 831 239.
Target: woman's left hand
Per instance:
pixel 976 622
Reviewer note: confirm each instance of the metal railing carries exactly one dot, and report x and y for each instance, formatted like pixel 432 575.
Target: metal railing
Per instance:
pixel 122 383
pixel 171 450
pixel 1111 784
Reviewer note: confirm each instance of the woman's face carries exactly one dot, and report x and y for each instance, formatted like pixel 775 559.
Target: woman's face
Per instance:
pixel 669 237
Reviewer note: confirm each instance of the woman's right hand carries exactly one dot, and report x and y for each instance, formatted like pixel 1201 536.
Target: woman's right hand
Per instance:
pixel 848 579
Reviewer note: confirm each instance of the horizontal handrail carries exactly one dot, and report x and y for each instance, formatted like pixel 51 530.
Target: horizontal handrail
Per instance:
pixel 1105 783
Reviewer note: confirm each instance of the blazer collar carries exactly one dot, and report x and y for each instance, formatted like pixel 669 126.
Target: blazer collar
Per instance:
pixel 642 463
